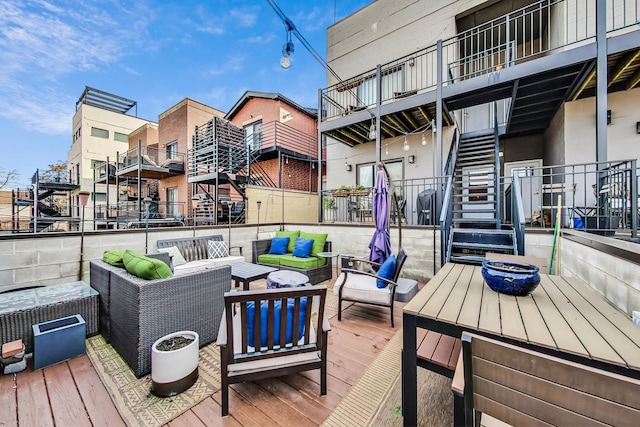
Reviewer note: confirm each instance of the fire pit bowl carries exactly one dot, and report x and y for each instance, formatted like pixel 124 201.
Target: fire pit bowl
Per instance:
pixel 510 278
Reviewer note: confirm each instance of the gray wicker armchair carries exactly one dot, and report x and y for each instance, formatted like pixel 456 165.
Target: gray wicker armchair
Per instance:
pixel 100 280
pixel 142 311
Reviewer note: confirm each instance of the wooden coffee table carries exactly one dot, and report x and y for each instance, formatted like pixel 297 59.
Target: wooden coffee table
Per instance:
pixel 246 272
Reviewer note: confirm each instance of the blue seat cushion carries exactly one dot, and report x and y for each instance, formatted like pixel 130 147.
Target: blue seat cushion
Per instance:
pixel 279 245
pixel 387 269
pixel 276 321
pixel 303 247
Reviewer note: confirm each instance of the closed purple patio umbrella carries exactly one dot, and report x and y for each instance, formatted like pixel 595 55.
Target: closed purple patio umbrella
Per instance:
pixel 380 245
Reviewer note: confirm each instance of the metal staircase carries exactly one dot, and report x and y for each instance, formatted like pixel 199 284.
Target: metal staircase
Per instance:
pixel 476 227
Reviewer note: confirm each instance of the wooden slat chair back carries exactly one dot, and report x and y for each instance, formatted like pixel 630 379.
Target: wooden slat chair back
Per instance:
pixel 360 286
pixel 524 387
pixel 243 359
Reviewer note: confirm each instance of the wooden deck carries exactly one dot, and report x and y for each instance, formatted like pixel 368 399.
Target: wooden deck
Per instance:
pixel 71 393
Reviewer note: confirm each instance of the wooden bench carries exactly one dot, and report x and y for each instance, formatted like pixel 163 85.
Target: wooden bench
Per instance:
pixel 437 352
pixel 524 387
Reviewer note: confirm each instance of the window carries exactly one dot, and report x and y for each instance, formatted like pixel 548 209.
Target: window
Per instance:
pixel 100 133
pixel 172 150
pixel 172 201
pixel 366 173
pixel 122 137
pixel 392 82
pixel 100 197
pixel 253 135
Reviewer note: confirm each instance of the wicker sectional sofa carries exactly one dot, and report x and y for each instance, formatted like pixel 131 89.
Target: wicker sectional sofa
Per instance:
pixel 141 311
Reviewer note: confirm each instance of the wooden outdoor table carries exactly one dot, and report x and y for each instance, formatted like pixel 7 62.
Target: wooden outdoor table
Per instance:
pixel 563 317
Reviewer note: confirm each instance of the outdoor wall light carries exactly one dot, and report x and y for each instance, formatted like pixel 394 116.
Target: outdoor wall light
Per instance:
pixel 348 167
pixel 412 159
pixel 637 127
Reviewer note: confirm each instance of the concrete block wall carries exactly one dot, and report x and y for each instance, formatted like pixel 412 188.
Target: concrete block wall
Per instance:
pixel 50 259
pixel 617 279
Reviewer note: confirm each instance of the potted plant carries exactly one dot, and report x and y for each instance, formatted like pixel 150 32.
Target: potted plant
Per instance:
pixel 329 205
pixel 360 190
pixel 342 191
pixel 174 363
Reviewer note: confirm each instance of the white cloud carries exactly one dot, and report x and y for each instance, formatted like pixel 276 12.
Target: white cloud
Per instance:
pixel 232 64
pixel 41 43
pixel 261 39
pixel 245 17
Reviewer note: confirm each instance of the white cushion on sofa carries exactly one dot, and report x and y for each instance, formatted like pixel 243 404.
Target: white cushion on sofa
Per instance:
pixel 176 256
pixel 203 264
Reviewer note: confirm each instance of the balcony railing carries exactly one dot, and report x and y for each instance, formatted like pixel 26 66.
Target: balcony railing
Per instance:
pixel 537 29
pixel 149 156
pixel 417 200
pixel 128 213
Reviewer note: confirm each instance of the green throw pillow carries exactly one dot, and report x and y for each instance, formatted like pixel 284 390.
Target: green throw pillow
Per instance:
pixel 319 239
pixel 292 235
pixel 114 257
pixel 145 267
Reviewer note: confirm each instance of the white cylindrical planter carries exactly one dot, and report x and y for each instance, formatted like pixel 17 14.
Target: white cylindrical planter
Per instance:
pixel 172 372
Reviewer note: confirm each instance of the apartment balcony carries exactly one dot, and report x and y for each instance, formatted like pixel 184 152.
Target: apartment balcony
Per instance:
pixel 538 57
pixel 149 162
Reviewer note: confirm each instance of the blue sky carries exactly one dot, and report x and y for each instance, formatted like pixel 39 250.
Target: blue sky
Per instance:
pixel 154 52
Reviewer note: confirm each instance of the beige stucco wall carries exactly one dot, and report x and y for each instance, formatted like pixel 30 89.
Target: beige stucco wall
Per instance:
pixel 580 130
pixel 386 30
pixel 87 147
pixel 299 206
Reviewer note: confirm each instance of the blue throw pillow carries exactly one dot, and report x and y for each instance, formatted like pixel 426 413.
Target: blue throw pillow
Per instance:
pixel 303 247
pixel 276 321
pixel 279 245
pixel 386 271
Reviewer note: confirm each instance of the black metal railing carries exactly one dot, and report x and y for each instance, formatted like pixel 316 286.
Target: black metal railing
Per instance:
pixel 518 36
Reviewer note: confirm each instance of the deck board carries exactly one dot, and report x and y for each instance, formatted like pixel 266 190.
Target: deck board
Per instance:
pixel 70 393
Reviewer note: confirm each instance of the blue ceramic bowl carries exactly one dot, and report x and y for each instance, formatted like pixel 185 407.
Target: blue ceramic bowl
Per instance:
pixel 510 278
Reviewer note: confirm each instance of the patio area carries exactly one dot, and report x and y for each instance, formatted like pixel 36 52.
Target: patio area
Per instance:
pixel 71 393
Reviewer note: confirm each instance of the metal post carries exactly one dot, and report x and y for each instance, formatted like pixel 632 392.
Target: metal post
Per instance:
pixel 229 205
pixel 147 202
pixel 83 197
pixel 378 103
pixel 601 83
pixel 320 219
pixel 258 229
pixel 439 109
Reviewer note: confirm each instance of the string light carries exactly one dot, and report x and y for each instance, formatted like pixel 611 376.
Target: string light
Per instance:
pixel 386 149
pixel 424 139
pixel 406 146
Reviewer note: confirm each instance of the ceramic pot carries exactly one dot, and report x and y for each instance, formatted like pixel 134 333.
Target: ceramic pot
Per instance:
pixel 174 371
pixel 510 278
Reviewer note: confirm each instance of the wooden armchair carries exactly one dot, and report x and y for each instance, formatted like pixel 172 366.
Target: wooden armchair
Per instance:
pixel 249 356
pixel 361 286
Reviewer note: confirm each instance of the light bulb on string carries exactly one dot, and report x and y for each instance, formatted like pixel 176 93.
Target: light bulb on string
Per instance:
pixel 424 139
pixel 406 146
pixel 386 149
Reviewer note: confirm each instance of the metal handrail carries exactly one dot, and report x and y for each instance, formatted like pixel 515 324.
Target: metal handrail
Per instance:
pixel 517 212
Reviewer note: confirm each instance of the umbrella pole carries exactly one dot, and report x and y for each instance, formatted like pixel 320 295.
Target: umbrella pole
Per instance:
pixel 392 190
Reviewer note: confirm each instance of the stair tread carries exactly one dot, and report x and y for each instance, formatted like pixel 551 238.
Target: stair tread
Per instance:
pixel 482 231
pixel 492 246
